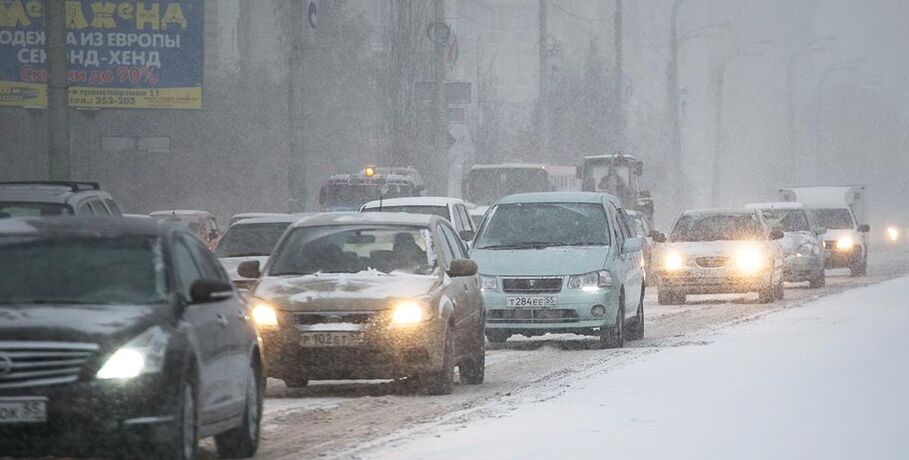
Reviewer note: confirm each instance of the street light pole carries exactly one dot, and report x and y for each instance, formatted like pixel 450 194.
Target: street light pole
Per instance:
pixel 59 164
pixel 672 106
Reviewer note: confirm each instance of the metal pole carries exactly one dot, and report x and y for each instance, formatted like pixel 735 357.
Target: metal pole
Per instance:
pixel 672 106
pixel 619 77
pixel 59 165
pixel 543 106
pixel 296 181
pixel 439 109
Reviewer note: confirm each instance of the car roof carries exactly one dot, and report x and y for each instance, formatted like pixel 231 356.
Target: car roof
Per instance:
pixel 415 201
pixel 775 205
pixel 610 157
pixel 382 218
pixel 179 212
pixel 45 193
pixel 719 212
pixel 249 215
pixel 557 197
pixel 278 219
pixel 75 224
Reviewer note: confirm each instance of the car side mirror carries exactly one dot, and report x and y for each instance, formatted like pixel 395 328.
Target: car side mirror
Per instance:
pixel 820 231
pixel 249 269
pixel 213 235
pixel 463 268
pixel 467 235
pixel 864 228
pixel 777 234
pixel 633 245
pixel 658 237
pixel 204 291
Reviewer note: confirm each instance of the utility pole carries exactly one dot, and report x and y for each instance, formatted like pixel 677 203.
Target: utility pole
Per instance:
pixel 672 107
pixel 59 165
pixel 439 108
pixel 619 78
pixel 542 125
pixel 296 180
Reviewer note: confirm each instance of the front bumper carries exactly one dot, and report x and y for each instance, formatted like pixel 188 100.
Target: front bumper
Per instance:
pixel 386 352
pixel 843 258
pixel 802 268
pixel 713 281
pixel 130 418
pixel 572 314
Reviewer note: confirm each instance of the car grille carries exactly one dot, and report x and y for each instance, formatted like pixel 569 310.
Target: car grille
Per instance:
pixel 532 285
pixel 307 319
pixel 33 364
pixel 531 315
pixel 711 262
pixel 829 244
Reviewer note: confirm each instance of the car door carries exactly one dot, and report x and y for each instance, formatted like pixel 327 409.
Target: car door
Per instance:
pixel 203 318
pixel 634 264
pixel 456 289
pixel 619 257
pixel 233 335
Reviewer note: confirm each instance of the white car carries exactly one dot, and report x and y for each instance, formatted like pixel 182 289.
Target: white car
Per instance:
pixel 251 239
pixel 453 209
pixel 719 252
pixel 803 249
pixel 252 215
pixel 477 214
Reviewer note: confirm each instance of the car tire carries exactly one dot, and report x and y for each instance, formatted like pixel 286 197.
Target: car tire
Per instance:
pixel 767 294
pixel 473 370
pixel 636 331
pixel 243 441
pixel 614 337
pixel 780 291
pixel 296 382
pixel 441 382
pixel 860 268
pixel 497 336
pixel 818 280
pixel 668 297
pixel 185 443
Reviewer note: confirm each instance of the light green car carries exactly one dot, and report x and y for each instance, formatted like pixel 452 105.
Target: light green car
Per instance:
pixel 561 262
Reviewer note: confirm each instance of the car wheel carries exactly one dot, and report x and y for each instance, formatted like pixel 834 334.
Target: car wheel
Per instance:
pixel 668 297
pixel 860 268
pixel 767 294
pixel 440 382
pixel 184 444
pixel 614 337
pixel 243 441
pixel 496 336
pixel 473 370
pixel 780 291
pixel 295 382
pixel 819 280
pixel 636 331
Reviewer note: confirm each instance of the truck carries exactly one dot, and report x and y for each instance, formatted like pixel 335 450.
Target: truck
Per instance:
pixel 618 175
pixel 349 192
pixel 487 183
pixel 842 212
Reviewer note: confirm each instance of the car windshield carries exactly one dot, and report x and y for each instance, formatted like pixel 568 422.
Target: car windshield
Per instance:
pixel 834 219
pixel 441 211
pixel 245 240
pixel 787 220
pixel 353 249
pixel 717 227
pixel 81 270
pixel 31 209
pixel 638 226
pixel 529 225
pixel 350 197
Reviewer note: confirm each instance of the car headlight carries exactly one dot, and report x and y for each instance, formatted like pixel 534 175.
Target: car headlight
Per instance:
pixel 673 261
pixel 264 314
pixel 590 281
pixel 806 250
pixel 844 244
pixel 750 261
pixel 489 282
pixel 409 312
pixel 893 233
pixel 142 355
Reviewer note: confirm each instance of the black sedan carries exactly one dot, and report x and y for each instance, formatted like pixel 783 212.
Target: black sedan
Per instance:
pixel 121 337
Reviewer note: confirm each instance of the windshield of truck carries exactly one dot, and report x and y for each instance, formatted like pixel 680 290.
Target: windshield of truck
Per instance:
pixel 834 219
pixel 81 270
pixel 351 197
pixel 31 209
pixel 353 249
pixel 609 178
pixel 441 211
pixel 717 227
pixel 538 225
pixel 485 186
pixel 247 240
pixel 787 220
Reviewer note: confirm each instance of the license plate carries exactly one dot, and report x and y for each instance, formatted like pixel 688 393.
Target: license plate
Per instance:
pixel 331 339
pixel 23 410
pixel 532 301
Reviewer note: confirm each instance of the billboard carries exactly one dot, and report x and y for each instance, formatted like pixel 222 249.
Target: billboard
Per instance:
pixel 127 54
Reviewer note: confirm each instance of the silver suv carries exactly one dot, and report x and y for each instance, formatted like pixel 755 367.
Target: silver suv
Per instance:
pixel 51 198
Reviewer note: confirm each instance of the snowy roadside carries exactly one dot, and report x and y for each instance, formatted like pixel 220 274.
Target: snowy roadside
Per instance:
pixel 823 381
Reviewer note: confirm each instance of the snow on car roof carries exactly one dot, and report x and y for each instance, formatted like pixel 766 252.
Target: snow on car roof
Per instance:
pixel 834 196
pixel 604 157
pixel 776 205
pixel 347 218
pixel 276 219
pixel 718 211
pixel 556 197
pixel 415 201
pixel 179 212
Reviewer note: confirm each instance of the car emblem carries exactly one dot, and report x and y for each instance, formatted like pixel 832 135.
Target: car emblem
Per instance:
pixel 6 365
pixel 333 319
pixel 532 283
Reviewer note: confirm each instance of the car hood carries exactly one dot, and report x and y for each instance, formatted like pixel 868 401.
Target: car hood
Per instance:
pixel 793 240
pixel 100 324
pixel 710 248
pixel 369 290
pixel 231 263
pixel 540 262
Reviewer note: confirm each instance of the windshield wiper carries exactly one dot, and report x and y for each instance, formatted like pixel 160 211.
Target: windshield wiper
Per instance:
pixel 586 243
pixel 247 254
pixel 525 245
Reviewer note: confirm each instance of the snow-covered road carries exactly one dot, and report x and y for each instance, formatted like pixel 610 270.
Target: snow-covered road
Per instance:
pixel 825 381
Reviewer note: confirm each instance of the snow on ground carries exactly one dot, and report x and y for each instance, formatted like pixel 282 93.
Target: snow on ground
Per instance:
pixel 826 380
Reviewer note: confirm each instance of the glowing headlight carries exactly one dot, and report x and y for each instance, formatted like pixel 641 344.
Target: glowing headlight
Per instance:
pixel 845 243
pixel 673 261
pixel 409 312
pixel 590 281
pixel 141 355
pixel 749 261
pixel 264 314
pixel 489 282
pixel 893 233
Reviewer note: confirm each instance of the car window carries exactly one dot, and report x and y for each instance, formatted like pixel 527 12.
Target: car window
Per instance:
pixel 210 268
pixel 112 205
pixel 185 267
pixel 617 229
pixel 834 219
pixel 717 227
pixel 535 225
pixel 244 240
pixel 98 208
pixel 32 209
pixel 466 222
pixel 448 254
pixel 441 211
pixel 455 243
pixel 624 225
pixel 85 209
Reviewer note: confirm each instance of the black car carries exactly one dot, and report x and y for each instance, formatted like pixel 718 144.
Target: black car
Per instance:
pixel 121 336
